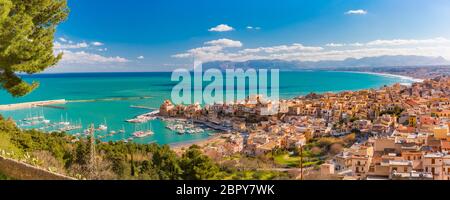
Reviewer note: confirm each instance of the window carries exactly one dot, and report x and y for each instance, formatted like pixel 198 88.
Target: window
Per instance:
pixel 433 161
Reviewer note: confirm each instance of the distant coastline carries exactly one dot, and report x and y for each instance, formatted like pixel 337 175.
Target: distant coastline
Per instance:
pixel 386 75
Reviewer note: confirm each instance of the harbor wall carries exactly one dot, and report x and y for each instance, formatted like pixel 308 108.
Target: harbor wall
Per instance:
pixel 22 171
pixel 26 105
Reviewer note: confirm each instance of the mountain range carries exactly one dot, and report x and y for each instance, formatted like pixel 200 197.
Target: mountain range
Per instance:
pixel 380 61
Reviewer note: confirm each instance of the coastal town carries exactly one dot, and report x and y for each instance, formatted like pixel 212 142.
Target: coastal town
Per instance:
pixel 399 132
pixel 224 99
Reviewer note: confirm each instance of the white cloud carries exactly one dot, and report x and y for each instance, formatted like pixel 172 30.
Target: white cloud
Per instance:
pixel 60 46
pixel 282 48
pixel 213 50
pixel 82 57
pixel 395 42
pixel 335 45
pixel 140 57
pixel 182 55
pixel 356 12
pixel 356 44
pixel 97 43
pixel 253 28
pixel 219 51
pixel 224 43
pixel 221 28
pixel 403 42
pixel 68 44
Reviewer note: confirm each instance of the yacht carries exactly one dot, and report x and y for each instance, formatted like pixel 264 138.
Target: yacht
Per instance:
pixel 103 127
pixel 122 130
pixel 141 134
pixel 144 133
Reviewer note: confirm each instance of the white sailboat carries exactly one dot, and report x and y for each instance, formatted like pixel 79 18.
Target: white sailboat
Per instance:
pixel 64 122
pixel 103 127
pixel 143 133
pixel 122 130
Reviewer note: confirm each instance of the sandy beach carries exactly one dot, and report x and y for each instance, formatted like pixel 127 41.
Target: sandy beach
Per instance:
pixel 182 146
pixel 388 75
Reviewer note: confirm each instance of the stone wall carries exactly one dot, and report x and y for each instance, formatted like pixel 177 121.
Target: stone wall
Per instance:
pixel 23 171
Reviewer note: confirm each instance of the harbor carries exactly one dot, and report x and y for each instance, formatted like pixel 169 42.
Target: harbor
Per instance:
pixel 144 128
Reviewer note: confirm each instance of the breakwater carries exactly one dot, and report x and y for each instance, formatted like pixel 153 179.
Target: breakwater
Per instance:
pixel 26 105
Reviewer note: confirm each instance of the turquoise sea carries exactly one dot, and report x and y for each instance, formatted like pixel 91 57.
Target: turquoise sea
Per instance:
pixel 106 97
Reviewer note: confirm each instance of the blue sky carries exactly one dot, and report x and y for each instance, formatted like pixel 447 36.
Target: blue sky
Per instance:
pixel 160 35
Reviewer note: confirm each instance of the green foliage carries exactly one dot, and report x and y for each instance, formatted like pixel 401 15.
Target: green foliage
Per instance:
pixel 309 159
pixel 278 151
pixel 255 175
pixel 4 177
pixel 197 166
pixel 26 40
pixel 19 144
pixel 287 160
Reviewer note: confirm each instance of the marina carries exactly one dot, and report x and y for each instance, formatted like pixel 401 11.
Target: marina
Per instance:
pixel 35 119
pixel 183 127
